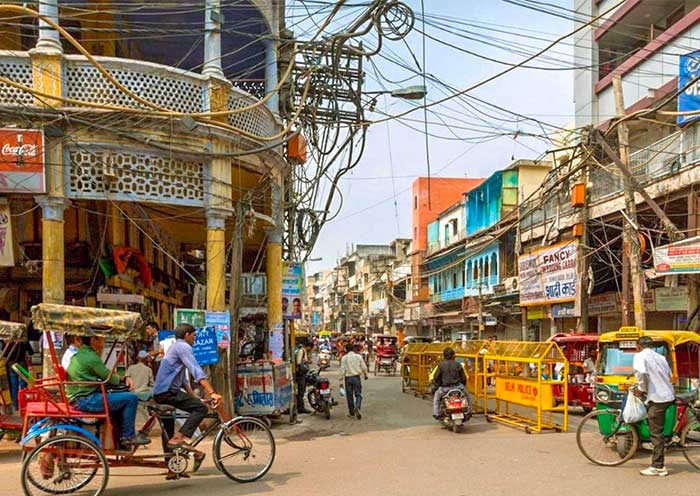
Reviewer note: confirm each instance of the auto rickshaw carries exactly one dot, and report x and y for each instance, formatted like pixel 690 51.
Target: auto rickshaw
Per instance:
pixel 386 353
pixel 581 351
pixel 615 375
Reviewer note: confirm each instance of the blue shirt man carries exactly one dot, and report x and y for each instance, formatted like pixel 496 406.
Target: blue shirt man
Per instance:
pixel 172 380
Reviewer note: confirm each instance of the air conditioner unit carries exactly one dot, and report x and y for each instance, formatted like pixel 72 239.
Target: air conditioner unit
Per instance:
pixel 511 284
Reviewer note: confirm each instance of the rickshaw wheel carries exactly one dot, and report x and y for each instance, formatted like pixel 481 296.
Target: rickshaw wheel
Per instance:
pixel 64 465
pixel 244 449
pixel 690 442
pixel 606 450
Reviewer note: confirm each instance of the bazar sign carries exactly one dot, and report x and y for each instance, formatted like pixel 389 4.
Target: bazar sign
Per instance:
pixel 682 257
pixel 548 275
pixel 523 392
pixel 22 161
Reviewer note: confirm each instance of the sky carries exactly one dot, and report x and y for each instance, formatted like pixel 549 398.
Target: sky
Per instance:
pixel 377 200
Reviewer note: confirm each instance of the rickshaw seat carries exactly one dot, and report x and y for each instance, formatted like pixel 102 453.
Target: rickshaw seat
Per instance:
pixel 159 407
pixel 57 409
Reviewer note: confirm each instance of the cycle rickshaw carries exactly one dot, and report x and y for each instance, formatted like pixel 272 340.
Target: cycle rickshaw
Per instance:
pixel 67 451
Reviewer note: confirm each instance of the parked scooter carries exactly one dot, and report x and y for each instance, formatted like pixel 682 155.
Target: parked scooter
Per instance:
pixel 319 393
pixel 454 409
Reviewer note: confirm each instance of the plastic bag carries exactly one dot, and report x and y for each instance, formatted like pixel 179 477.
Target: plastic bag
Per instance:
pixel 341 390
pixel 634 409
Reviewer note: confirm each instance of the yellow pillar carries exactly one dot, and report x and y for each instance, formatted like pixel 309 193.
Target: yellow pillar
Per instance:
pixel 52 242
pixel 216 261
pixel 273 256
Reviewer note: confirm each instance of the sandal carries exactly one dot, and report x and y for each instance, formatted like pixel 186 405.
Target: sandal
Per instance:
pixel 173 476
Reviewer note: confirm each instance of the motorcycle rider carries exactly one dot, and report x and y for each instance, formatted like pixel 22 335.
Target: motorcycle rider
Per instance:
pixel 449 375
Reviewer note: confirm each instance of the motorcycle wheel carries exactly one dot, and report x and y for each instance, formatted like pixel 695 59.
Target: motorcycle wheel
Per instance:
pixel 327 410
pixel 456 428
pixel 313 401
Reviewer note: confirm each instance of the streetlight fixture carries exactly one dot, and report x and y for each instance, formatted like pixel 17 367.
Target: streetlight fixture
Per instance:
pixel 416 92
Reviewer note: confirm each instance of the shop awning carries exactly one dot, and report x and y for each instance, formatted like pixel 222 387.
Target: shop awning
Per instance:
pixel 455 317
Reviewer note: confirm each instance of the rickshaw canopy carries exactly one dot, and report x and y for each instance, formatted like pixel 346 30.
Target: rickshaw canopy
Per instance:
pixel 633 333
pixel 86 321
pixel 12 331
pixel 573 338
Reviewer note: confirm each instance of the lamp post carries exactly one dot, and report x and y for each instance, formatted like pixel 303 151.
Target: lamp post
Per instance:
pixel 416 92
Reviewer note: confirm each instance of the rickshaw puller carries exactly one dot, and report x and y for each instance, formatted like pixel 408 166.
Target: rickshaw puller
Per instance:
pixel 87 366
pixel 172 379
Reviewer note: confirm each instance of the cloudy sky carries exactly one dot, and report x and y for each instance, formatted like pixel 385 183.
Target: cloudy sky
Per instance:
pixel 377 206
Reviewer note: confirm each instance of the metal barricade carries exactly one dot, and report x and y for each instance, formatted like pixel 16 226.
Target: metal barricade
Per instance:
pixel 471 353
pixel 410 367
pixel 520 377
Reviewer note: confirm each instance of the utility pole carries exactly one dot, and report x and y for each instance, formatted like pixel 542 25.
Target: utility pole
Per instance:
pixel 583 261
pixel 234 305
pixel 630 236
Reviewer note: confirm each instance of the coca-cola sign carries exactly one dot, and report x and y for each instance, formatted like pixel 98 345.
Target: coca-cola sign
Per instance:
pixel 22 161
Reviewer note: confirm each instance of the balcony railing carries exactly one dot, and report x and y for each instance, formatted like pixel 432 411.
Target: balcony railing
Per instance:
pixel 448 295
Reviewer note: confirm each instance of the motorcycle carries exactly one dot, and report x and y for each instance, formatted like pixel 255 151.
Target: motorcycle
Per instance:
pixel 319 393
pixel 324 359
pixel 454 410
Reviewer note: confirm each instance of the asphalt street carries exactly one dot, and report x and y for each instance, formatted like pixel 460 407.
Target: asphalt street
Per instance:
pixel 397 448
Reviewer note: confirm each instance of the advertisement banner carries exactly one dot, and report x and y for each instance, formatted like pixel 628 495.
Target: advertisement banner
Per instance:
pixel 22 161
pixel 672 299
pixel 604 303
pixel 292 282
pixel 523 392
pixel 689 98
pixel 205 349
pixel 7 256
pixel 564 310
pixel 548 275
pixel 682 257
pixel 221 323
pixel 190 316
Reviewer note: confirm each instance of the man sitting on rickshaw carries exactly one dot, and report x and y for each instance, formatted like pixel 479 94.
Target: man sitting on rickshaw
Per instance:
pixel 172 380
pixel 87 366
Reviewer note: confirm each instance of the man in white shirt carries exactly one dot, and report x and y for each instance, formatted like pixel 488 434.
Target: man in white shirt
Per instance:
pixel 74 342
pixel 654 378
pixel 352 366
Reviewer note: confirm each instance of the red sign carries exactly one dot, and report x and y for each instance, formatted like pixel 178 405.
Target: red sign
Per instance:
pixel 22 161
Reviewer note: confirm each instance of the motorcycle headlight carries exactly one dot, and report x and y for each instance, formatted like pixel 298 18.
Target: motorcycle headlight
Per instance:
pixel 603 394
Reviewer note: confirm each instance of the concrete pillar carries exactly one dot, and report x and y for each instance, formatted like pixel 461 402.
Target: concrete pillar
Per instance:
pixel 271 78
pixel 273 255
pixel 212 39
pixel 53 269
pixel 49 41
pixel 216 259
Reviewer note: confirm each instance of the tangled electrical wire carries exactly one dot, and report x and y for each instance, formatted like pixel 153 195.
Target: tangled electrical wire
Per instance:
pixel 333 117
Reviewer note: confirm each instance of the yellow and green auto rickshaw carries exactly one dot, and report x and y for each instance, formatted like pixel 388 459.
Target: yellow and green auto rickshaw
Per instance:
pixel 615 377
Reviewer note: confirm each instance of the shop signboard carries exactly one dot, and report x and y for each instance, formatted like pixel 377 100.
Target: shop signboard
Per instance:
pixel 22 161
pixel 689 86
pixel 535 313
pixel 548 275
pixel 190 316
pixel 682 257
pixel 604 303
pixel 564 310
pixel 523 392
pixel 221 323
pixel 7 258
pixel 292 282
pixel 672 299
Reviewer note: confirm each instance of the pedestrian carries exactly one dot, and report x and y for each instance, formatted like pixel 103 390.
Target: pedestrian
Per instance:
pixel 352 366
pixel 20 353
pixel 301 362
pixel 156 351
pixel 142 377
pixel 653 377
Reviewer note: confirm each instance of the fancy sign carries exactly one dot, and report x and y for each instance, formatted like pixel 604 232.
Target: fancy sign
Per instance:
pixel 548 275
pixel 22 161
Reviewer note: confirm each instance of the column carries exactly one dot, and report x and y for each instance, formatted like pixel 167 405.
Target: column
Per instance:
pixel 273 256
pixel 216 259
pixel 271 78
pixel 49 40
pixel 52 247
pixel 212 39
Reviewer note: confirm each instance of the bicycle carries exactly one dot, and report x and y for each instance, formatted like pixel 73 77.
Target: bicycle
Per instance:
pixel 604 437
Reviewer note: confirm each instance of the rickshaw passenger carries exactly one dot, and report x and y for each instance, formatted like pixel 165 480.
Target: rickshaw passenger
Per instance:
pixel 87 366
pixel 172 379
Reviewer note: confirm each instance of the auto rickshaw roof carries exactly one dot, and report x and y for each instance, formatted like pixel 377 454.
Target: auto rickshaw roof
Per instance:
pixel 12 331
pixel 86 321
pixel 633 333
pixel 573 338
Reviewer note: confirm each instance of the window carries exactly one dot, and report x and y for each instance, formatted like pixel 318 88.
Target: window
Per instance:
pixel 447 234
pixel 415 202
pixel 469 274
pixel 455 284
pixel 454 226
pixel 494 267
pixel 486 269
pixel 415 233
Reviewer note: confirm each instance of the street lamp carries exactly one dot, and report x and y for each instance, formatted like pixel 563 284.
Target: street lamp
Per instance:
pixel 416 92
